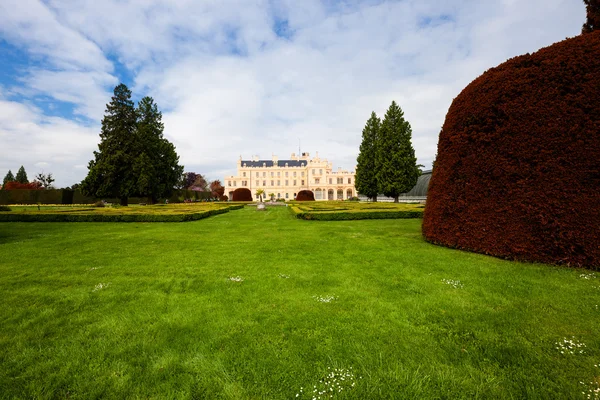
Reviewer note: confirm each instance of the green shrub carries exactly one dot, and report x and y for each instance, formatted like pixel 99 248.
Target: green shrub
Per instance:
pixel 4 208
pixel 100 203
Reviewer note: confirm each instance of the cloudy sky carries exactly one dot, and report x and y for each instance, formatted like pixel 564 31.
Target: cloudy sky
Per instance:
pixel 249 77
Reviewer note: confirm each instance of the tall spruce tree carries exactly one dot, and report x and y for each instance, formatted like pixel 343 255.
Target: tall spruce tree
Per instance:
pixel 111 171
pixel 157 166
pixel 21 176
pixel 8 178
pixel 397 170
pixel 366 171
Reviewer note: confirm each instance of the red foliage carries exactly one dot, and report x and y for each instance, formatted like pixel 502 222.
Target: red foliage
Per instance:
pixel 12 185
pixel 217 190
pixel 518 168
pixel 305 195
pixel 241 194
pixel 593 16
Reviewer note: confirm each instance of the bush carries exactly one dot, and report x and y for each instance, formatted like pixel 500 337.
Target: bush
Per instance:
pixel 242 194
pixel 517 171
pixel 348 215
pixel 281 200
pixel 4 208
pixel 100 203
pixel 12 185
pixel 305 195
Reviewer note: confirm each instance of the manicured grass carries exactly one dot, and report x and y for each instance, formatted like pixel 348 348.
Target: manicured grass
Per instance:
pixel 96 310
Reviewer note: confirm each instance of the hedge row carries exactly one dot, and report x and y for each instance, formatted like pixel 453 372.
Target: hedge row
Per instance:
pixel 114 217
pixel 354 215
pixel 67 196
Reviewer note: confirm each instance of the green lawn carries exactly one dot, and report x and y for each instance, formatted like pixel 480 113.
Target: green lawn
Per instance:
pixel 148 310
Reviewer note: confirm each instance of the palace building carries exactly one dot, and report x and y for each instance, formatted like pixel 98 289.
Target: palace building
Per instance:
pixel 285 178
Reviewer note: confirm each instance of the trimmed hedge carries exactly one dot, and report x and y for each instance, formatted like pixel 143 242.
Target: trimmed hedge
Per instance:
pixel 346 215
pixel 68 196
pixel 305 195
pixel 84 215
pixel 517 174
pixel 242 194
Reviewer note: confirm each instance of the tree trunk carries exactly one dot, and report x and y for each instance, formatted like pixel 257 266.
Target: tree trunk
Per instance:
pixel 124 201
pixel 396 199
pixel 374 199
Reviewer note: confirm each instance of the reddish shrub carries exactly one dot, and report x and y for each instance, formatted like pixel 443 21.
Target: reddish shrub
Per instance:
pixel 518 168
pixel 241 194
pixel 305 195
pixel 12 185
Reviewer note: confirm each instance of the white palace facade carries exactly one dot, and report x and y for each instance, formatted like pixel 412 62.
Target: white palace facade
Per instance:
pixel 285 178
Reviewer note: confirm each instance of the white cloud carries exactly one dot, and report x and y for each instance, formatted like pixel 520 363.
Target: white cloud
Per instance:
pixel 42 143
pixel 228 85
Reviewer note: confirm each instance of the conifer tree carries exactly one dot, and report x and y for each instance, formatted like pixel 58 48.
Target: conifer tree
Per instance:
pixel 8 178
pixel 133 157
pixel 21 176
pixel 156 166
pixel 366 171
pixel 397 170
pixel 111 171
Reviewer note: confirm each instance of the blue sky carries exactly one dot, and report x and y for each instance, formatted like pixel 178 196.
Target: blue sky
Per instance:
pixel 248 78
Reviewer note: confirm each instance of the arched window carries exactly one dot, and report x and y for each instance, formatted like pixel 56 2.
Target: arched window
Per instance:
pixel 348 193
pixel 330 194
pixel 318 194
pixel 340 194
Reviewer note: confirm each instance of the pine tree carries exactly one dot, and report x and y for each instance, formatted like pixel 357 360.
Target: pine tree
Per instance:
pixel 397 170
pixel 111 171
pixel 156 166
pixel 593 16
pixel 21 176
pixel 366 180
pixel 8 178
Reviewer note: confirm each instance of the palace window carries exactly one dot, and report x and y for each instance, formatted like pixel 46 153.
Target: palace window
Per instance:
pixel 286 174
pixel 287 195
pixel 330 181
pixel 313 172
pixel 278 174
pixel 320 172
pixel 234 183
pixel 294 184
pixel 244 174
pixel 264 183
pixel 264 174
pixel 257 174
pixel 228 183
pixel 340 181
pixel 317 180
pixel 302 182
pixel 294 174
pixel 272 174
pixel 272 183
pixel 287 183
pixel 349 181
pixel 302 174
pixel 278 183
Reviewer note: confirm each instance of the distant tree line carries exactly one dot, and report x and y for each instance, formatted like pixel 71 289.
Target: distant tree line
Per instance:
pixel 386 162
pixel 42 181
